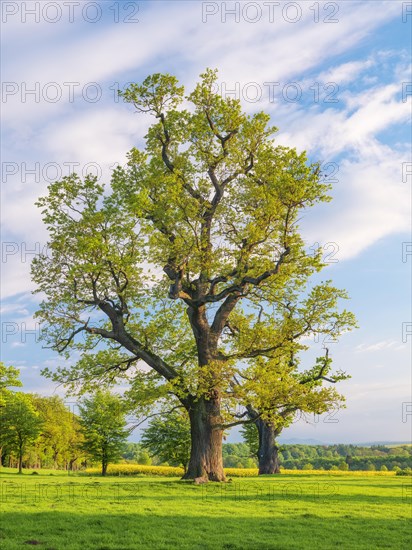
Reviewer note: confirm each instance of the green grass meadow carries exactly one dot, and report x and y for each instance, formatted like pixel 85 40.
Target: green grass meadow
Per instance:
pixel 305 511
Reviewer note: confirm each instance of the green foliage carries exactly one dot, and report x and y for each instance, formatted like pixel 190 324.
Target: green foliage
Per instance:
pixel 238 455
pixel 197 234
pixel 405 472
pixel 134 452
pixel 342 456
pixel 144 458
pixel 102 418
pixel 20 424
pixel 250 436
pixel 58 444
pixel 9 376
pixel 167 437
pixel 60 441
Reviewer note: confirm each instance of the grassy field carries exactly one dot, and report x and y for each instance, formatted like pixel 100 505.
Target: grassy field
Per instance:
pixel 304 511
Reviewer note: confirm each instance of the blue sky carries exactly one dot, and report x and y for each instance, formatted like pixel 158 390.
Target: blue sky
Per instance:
pixel 333 76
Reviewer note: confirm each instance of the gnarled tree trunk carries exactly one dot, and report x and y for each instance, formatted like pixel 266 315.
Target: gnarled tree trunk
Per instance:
pixel 268 450
pixel 206 447
pixel 204 412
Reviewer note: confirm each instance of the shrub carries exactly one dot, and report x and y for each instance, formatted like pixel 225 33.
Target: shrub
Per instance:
pixel 405 472
pixel 144 458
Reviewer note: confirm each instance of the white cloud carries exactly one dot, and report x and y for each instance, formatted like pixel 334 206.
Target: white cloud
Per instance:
pixel 15 278
pixel 352 129
pixel 370 199
pixel 346 72
pixel 379 346
pixel 7 309
pixel 373 204
pixel 268 51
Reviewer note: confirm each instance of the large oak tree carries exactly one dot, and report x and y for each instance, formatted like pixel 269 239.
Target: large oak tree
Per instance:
pixel 176 267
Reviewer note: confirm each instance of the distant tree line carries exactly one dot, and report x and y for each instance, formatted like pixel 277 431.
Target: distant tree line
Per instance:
pixel 39 432
pixel 345 457
pixel 299 457
pixel 42 432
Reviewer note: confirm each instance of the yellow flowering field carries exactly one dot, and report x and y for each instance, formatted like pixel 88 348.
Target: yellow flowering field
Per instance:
pixel 171 471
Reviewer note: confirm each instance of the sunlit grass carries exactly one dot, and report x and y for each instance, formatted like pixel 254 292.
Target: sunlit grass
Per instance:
pixel 291 511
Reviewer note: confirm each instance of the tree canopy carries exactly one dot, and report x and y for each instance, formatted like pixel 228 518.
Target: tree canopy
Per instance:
pixel 102 417
pixel 167 437
pixel 191 263
pixel 9 377
pixel 20 424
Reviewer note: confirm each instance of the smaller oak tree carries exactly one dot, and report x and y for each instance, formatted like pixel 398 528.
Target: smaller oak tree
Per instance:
pixel 102 417
pixel 289 395
pixel 168 437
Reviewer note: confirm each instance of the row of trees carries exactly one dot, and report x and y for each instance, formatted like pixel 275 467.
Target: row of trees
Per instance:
pixel 239 455
pixel 42 432
pixel 187 277
pixel 327 457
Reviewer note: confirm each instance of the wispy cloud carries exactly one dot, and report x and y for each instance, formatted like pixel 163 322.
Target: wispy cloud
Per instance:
pixel 380 346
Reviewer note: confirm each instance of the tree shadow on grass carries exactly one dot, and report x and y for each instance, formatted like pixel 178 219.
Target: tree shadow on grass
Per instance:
pixel 142 530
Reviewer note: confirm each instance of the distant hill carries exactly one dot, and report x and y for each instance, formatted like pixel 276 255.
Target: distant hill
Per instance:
pixel 298 441
pixel 387 443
